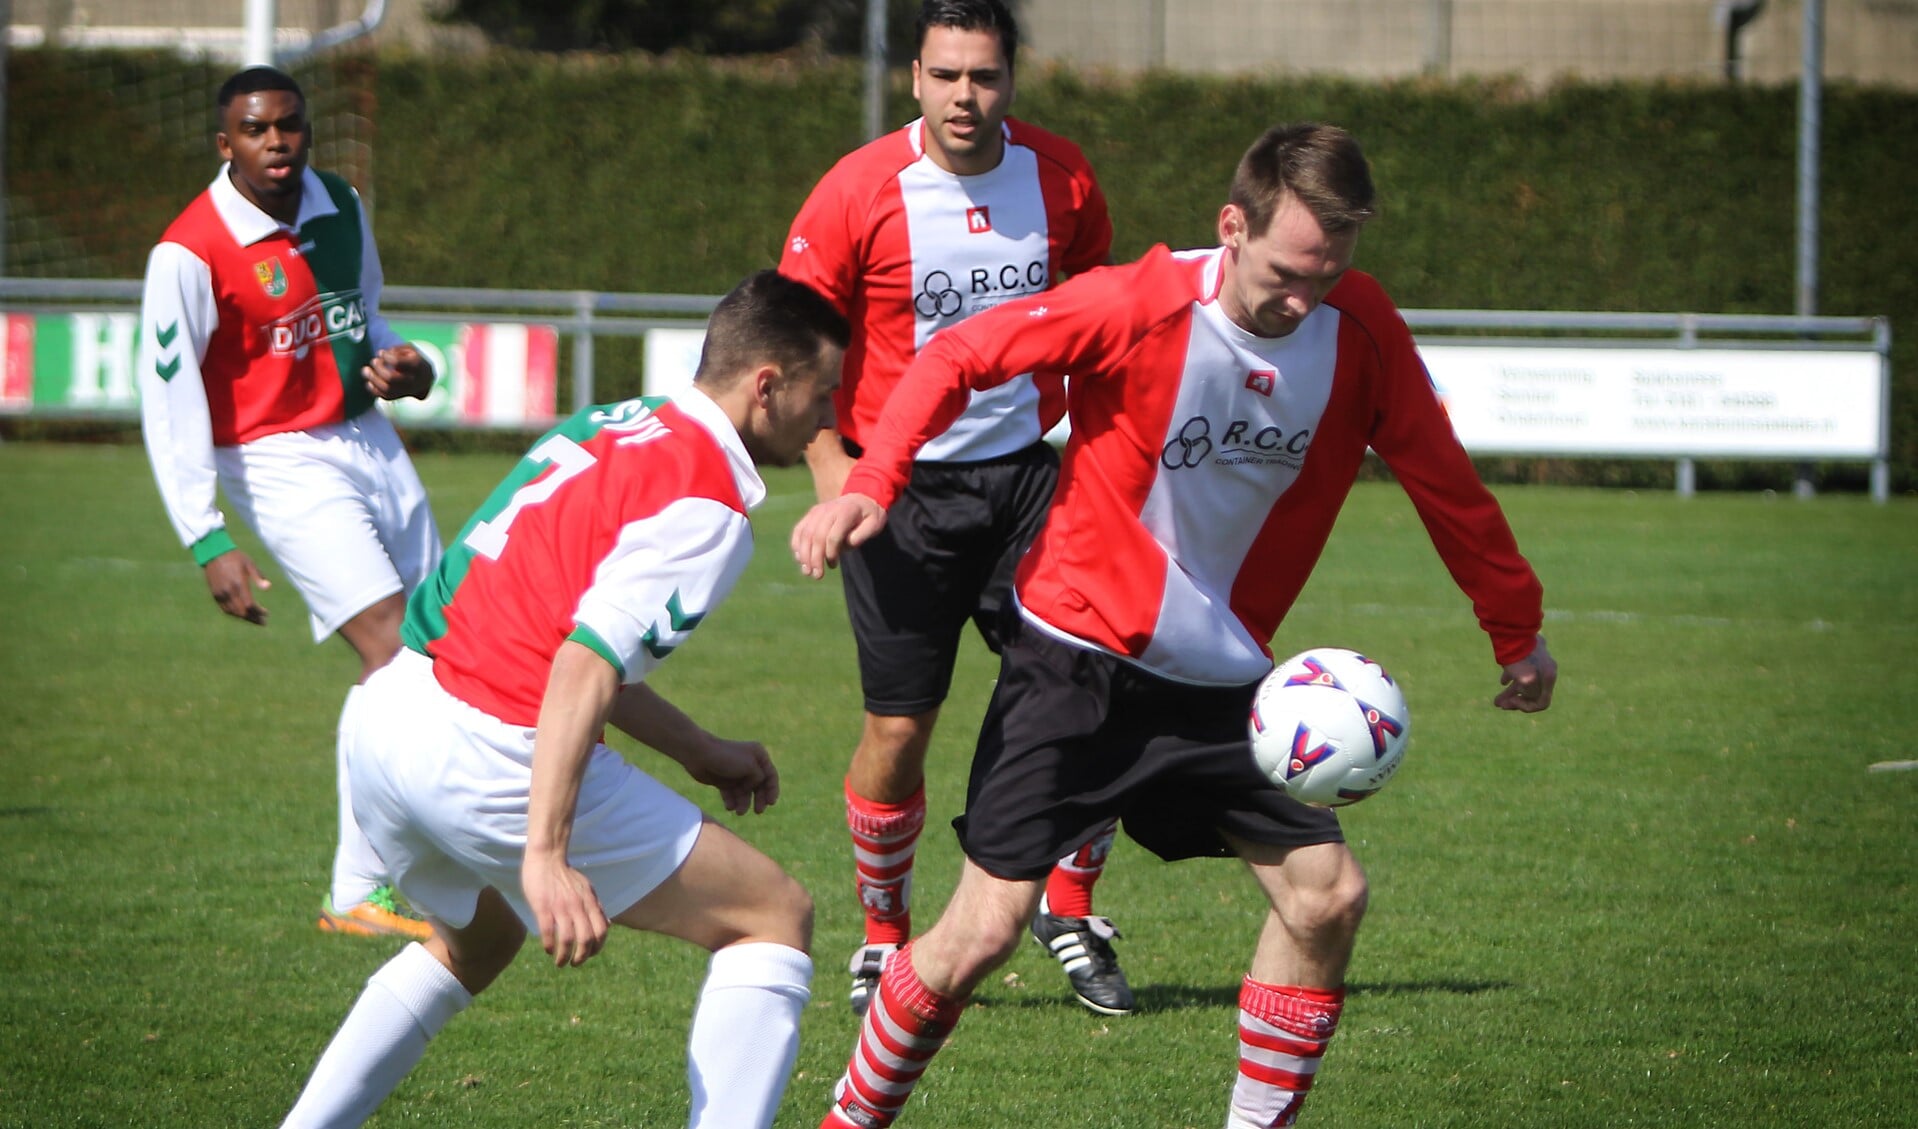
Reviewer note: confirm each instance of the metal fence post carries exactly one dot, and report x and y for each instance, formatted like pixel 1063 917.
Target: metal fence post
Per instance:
pixel 583 350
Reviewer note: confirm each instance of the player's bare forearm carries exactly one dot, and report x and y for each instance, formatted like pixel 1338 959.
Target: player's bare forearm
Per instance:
pixel 741 771
pixel 642 714
pixel 826 457
pixel 579 695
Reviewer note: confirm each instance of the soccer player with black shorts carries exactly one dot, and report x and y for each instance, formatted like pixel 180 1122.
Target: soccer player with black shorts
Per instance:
pixel 958 212
pixel 1223 401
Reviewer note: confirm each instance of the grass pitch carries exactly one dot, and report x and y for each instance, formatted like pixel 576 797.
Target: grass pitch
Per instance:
pixel 1679 898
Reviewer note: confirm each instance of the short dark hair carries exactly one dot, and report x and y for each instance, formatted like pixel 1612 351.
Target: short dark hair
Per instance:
pixel 768 318
pixel 1319 165
pixel 252 80
pixel 970 15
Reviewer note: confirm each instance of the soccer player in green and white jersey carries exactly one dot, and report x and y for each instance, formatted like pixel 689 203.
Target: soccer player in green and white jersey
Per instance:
pixel 475 756
pixel 262 355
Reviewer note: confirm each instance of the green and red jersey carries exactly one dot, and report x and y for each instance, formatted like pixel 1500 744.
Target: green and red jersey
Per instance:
pixel 619 530
pixel 249 328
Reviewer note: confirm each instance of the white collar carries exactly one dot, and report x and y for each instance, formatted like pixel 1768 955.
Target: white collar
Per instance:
pixel 248 224
pixel 707 413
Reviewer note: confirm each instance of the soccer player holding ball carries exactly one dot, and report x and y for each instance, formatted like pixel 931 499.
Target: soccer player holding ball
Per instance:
pixel 1222 401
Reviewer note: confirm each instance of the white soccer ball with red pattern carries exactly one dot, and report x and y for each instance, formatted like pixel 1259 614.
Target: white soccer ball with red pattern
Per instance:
pixel 1329 726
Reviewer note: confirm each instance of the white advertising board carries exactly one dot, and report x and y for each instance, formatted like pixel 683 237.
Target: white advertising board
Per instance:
pixel 671 359
pixel 1662 402
pixel 1541 400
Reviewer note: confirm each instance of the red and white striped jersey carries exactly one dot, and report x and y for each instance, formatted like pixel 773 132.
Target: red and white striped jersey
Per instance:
pixel 906 249
pixel 1207 465
pixel 619 530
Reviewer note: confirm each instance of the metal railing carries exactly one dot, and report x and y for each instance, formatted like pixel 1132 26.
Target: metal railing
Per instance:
pixel 585 315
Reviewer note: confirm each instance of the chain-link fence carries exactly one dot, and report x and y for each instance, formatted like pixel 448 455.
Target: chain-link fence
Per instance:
pixel 68 209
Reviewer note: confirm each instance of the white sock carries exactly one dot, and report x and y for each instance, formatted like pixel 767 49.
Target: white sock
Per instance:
pixel 357 869
pixel 404 1005
pixel 745 1034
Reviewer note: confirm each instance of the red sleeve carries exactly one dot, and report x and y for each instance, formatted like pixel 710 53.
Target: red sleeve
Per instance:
pixel 1411 433
pixel 826 243
pixel 1075 205
pixel 1083 326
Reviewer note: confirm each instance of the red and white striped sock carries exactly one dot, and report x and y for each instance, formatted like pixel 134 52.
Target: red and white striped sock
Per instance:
pixel 1069 887
pixel 905 1026
pixel 884 837
pixel 1283 1032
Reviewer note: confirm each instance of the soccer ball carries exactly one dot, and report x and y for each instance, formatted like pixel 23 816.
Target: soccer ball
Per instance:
pixel 1328 727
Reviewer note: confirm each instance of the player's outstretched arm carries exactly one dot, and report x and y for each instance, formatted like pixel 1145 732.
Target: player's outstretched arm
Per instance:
pixel 399 371
pixel 742 771
pixel 827 528
pixel 232 577
pixel 579 697
pixel 1528 682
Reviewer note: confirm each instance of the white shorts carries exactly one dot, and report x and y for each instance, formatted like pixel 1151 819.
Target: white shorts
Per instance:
pixel 340 508
pixel 440 789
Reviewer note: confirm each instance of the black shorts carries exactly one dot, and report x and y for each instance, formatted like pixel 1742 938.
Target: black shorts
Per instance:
pixel 947 555
pixel 1075 737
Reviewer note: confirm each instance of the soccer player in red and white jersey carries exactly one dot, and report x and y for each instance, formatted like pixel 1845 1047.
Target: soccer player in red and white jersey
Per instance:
pixel 960 211
pixel 1222 402
pixel 262 355
pixel 476 757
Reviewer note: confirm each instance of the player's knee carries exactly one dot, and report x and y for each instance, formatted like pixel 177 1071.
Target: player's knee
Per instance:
pixel 794 909
pixel 782 911
pixel 899 738
pixel 476 957
pixel 374 634
pixel 1329 915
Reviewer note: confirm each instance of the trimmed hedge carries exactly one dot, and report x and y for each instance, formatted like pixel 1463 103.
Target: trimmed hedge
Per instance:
pixel 681 174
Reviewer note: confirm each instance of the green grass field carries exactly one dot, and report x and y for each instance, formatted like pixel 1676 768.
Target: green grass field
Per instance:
pixel 1679 898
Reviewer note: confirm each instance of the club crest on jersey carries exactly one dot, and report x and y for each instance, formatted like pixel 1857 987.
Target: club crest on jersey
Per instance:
pixel 324 317
pixel 1260 381
pixel 272 277
pixel 979 219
